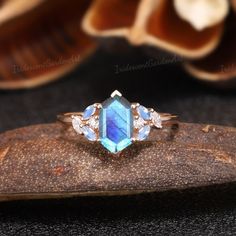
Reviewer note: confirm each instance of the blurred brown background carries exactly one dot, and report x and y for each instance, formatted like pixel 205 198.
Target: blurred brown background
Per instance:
pixel 45 42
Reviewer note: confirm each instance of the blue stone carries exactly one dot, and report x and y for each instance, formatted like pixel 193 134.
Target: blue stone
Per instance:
pixel 144 132
pixel 116 124
pixel 144 113
pixel 89 111
pixel 89 133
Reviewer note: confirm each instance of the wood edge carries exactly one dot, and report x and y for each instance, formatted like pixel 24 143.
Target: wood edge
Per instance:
pixel 17 13
pixel 7 197
pixel 208 76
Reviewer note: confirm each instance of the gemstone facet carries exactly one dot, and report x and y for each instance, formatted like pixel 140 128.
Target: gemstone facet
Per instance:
pixel 116 124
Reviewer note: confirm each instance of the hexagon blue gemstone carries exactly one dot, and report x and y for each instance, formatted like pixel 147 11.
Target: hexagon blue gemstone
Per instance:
pixel 116 124
pixel 89 111
pixel 144 113
pixel 89 133
pixel 144 132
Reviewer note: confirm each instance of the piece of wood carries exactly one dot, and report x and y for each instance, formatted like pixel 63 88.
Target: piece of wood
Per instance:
pixel 47 161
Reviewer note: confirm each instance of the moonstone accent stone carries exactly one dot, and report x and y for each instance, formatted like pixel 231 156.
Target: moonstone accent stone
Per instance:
pixel 76 123
pixel 143 112
pixel 89 111
pixel 89 133
pixel 143 133
pixel 116 124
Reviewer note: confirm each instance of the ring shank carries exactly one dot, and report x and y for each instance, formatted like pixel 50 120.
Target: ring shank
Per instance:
pixel 66 118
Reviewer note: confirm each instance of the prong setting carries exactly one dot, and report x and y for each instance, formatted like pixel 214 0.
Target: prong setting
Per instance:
pixel 116 93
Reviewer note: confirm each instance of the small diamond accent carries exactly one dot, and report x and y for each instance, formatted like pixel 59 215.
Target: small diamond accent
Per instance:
pixel 156 119
pixel 139 123
pixel 93 123
pixel 77 123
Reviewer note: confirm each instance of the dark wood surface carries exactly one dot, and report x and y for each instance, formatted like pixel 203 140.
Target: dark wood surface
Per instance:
pixel 46 161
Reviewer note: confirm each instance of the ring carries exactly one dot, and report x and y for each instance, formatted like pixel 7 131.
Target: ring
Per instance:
pixel 116 123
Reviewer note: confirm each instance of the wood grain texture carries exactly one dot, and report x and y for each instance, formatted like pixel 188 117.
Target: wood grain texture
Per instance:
pixel 47 161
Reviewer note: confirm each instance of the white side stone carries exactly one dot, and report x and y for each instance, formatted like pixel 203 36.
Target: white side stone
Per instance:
pixel 139 123
pixel 156 120
pixel 93 123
